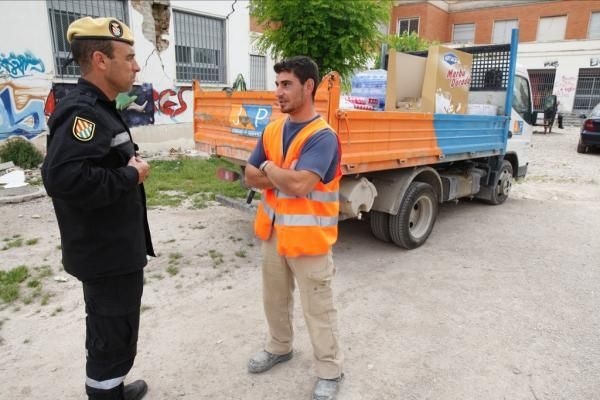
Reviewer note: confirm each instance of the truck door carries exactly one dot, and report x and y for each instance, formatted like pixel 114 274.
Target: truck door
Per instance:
pixel 521 124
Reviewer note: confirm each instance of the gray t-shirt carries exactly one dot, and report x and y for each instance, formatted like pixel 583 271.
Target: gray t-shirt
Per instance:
pixel 319 153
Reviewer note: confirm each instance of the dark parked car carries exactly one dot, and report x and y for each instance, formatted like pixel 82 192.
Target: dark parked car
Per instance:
pixel 590 131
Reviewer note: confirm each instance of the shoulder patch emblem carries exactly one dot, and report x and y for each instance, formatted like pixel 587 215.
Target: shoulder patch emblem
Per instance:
pixel 83 129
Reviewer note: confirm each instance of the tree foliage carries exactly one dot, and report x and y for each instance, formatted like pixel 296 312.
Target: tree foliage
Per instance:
pixel 339 35
pixel 408 42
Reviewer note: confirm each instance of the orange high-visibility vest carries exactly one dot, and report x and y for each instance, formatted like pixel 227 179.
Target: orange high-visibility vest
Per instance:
pixel 304 225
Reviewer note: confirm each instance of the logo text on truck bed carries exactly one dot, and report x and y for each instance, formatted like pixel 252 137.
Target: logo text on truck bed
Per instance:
pixel 249 119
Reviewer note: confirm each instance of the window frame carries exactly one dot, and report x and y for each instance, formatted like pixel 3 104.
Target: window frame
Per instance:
pixel 590 25
pixel 466 23
pixel 59 57
pixel 409 19
pixel 195 54
pixel 546 17
pixel 494 29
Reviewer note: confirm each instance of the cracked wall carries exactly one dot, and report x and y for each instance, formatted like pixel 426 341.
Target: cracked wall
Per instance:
pixel 155 26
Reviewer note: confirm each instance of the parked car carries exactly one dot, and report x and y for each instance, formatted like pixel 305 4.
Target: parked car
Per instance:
pixel 590 131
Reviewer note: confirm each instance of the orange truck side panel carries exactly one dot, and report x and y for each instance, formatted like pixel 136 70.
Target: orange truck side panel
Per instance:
pixel 227 125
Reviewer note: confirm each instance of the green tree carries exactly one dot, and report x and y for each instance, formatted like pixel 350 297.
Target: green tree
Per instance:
pixel 408 42
pixel 404 43
pixel 339 35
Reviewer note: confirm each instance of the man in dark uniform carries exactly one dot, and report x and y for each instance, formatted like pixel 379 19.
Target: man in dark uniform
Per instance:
pixel 94 176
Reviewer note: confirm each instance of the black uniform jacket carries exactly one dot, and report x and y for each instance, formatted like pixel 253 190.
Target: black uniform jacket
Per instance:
pixel 100 207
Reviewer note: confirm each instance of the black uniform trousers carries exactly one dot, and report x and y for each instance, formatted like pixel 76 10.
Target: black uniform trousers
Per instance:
pixel 112 305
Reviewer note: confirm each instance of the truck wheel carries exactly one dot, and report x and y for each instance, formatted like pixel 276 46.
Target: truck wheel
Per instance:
pixel 581 148
pixel 501 188
pixel 380 222
pixel 411 227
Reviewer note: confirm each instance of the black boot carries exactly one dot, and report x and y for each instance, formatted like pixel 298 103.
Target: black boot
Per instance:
pixel 135 390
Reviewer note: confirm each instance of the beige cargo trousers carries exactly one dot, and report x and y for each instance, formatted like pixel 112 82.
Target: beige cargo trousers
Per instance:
pixel 313 275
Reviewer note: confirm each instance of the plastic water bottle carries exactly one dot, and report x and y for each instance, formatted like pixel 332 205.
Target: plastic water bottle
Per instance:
pixel 371 83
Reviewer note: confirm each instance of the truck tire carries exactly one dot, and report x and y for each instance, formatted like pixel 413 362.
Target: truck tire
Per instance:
pixel 380 222
pixel 581 148
pixel 413 223
pixel 503 184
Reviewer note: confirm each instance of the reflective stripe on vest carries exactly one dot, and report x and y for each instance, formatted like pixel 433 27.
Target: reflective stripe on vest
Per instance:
pixel 315 195
pixel 305 220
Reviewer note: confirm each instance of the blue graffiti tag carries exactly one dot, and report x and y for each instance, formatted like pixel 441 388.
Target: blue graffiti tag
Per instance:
pixel 20 65
pixel 28 121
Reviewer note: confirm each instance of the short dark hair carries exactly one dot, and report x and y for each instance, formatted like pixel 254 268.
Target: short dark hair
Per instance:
pixel 83 49
pixel 303 67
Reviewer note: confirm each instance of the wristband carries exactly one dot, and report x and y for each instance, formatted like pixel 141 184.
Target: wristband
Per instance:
pixel 263 165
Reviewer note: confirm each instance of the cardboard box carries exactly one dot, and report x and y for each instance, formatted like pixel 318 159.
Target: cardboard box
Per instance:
pixel 404 81
pixel 447 81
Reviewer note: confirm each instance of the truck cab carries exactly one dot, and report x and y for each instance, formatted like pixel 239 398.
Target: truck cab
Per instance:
pixel 521 125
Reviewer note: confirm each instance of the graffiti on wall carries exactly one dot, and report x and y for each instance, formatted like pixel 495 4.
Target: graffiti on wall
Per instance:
pixel 565 86
pixel 20 65
pixel 23 88
pixel 136 106
pixel 21 111
pixel 173 105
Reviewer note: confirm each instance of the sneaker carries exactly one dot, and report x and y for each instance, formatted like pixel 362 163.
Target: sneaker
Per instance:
pixel 327 389
pixel 264 361
pixel 135 390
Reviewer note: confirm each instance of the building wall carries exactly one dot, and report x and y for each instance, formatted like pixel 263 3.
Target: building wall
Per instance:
pixel 437 24
pixel 567 56
pixel 432 20
pixel 27 70
pixel 578 16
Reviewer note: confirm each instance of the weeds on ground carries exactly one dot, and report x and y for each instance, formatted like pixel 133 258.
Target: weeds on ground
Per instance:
pixel 15 241
pixel 241 253
pixel 10 283
pixel 216 256
pixel 172 270
pixel 22 278
pixel 175 180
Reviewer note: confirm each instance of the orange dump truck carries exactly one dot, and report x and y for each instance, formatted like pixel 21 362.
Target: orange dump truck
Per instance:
pixel 398 166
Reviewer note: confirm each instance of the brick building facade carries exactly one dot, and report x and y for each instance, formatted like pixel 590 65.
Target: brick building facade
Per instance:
pixel 559 39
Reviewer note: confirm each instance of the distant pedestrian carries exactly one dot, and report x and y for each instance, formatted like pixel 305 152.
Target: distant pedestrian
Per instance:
pixel 296 164
pixel 94 176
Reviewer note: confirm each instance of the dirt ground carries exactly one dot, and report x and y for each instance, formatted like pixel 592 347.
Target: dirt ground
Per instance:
pixel 500 303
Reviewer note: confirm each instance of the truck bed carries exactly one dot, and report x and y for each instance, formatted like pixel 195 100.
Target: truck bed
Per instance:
pixel 229 124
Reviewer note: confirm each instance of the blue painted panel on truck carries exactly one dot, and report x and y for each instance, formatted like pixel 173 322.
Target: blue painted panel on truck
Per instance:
pixel 459 134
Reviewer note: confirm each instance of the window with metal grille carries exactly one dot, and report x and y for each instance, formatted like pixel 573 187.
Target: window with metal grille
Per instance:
pixel 552 28
pixel 63 12
pixel 542 85
pixel 463 33
pixel 408 25
pixel 503 30
pixel 258 72
pixel 199 47
pixel 594 28
pixel 587 93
